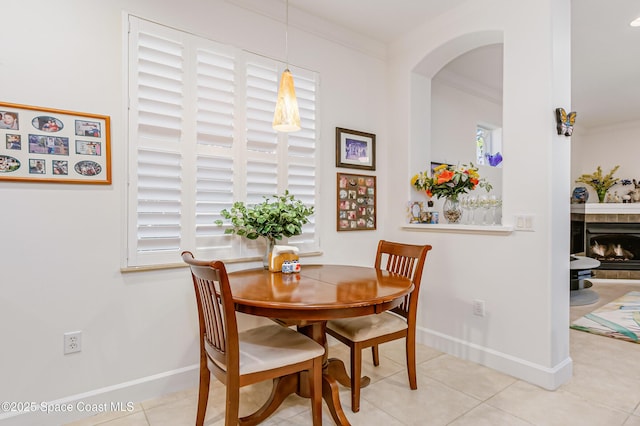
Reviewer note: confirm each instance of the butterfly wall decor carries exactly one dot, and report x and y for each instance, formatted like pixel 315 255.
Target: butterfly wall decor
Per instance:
pixel 565 121
pixel 495 159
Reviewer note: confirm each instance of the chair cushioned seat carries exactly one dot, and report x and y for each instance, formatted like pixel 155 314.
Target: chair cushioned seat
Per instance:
pixel 363 328
pixel 273 346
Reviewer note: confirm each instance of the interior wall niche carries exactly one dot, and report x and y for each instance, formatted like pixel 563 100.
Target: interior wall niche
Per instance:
pixel 467 93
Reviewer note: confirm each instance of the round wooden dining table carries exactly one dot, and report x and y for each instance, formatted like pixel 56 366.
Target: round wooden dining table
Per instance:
pixel 308 299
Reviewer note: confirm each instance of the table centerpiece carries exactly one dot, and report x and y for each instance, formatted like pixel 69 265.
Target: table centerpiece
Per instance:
pixel 276 217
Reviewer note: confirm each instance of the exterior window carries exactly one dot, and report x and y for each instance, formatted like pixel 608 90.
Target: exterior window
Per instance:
pixel 200 138
pixel 488 146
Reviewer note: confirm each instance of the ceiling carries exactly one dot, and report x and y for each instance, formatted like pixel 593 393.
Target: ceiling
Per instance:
pixel 605 49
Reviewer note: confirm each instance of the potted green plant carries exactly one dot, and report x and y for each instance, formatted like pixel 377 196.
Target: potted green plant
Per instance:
pixel 599 182
pixel 276 217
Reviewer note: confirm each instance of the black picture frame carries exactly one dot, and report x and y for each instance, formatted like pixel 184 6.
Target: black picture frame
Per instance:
pixel 355 149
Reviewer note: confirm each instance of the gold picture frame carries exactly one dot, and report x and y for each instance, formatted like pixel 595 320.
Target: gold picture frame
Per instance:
pixel 56 146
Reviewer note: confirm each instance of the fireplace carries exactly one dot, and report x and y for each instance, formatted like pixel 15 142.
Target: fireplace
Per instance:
pixel 615 245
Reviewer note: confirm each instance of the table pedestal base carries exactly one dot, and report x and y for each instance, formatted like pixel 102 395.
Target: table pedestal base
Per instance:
pixel 299 384
pixel 337 370
pixel 333 372
pixel 580 269
pixel 282 387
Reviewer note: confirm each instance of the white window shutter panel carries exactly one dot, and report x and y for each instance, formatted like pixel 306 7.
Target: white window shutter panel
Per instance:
pixel 301 156
pixel 216 119
pixel 155 123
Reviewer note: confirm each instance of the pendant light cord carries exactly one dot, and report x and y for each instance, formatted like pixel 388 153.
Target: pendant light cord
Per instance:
pixel 286 36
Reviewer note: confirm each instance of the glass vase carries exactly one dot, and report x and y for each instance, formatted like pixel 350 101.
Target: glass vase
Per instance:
pixel 601 194
pixel 451 210
pixel 267 253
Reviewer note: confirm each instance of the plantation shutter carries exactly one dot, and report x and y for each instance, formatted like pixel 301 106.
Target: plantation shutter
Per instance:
pixel 301 156
pixel 156 86
pixel 200 138
pixel 216 92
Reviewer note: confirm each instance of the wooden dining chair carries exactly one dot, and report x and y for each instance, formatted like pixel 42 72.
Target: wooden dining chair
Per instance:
pixel 240 359
pixel 369 331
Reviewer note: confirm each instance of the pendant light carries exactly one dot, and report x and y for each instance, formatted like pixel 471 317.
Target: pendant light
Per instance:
pixel 286 117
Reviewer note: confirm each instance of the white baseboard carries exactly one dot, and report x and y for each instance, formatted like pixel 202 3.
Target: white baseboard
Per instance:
pixel 116 397
pixel 545 377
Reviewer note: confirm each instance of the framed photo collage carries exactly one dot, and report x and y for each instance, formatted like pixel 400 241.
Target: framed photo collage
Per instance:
pixel 49 145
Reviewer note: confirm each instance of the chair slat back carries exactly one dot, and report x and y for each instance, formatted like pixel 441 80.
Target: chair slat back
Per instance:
pixel 407 260
pixel 216 313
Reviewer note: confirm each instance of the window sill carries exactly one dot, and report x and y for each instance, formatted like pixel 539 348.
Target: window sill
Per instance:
pixel 145 268
pixel 459 229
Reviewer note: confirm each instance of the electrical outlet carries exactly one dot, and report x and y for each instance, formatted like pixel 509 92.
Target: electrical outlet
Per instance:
pixel 478 307
pixel 72 342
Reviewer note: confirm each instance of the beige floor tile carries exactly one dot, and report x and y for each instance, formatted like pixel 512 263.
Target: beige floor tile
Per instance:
pixel 485 415
pixel 177 412
pixel 542 407
pixel 607 386
pixel 368 415
pixel 175 397
pixel 106 417
pixel 604 352
pixel 292 407
pixel 387 367
pixel 632 421
pixel 607 290
pixel 431 404
pixel 396 351
pixel 605 369
pixel 181 407
pixel 137 419
pixel 473 379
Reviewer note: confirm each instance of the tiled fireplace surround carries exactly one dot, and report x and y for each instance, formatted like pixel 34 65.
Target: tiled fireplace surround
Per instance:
pixel 609 213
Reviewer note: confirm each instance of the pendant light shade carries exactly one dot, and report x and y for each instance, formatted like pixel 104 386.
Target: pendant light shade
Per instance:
pixel 287 117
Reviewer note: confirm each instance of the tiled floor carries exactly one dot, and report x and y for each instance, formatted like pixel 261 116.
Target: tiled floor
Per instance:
pixel 604 391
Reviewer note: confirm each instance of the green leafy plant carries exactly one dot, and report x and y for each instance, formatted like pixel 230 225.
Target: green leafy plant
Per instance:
pixel 597 181
pixel 276 217
pixel 601 183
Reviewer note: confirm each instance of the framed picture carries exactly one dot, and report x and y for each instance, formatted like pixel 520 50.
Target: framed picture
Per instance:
pixel 355 150
pixel 421 212
pixel 50 145
pixel 356 202
pixel 436 164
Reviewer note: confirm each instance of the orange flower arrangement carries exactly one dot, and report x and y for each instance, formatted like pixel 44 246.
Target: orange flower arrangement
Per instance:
pixel 449 181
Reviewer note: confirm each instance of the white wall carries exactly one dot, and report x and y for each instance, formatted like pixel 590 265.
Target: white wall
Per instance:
pixel 521 276
pixel 62 252
pixel 455 115
pixel 606 147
